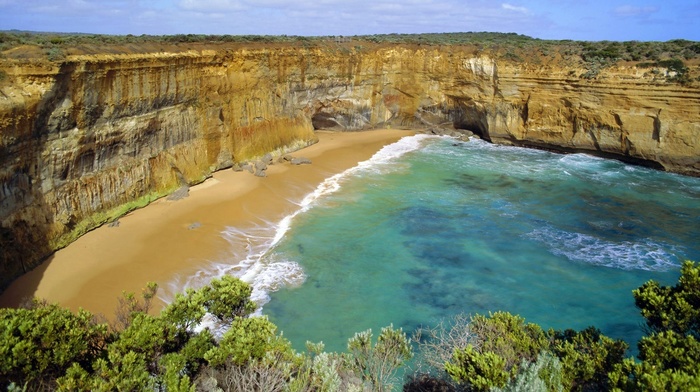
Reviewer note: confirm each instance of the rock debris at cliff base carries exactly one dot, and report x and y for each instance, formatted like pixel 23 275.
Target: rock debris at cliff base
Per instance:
pixel 89 136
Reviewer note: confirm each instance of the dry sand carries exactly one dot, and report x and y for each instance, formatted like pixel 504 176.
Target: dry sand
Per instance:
pixel 167 238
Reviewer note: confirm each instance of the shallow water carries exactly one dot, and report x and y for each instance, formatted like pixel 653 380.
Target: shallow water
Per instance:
pixel 432 227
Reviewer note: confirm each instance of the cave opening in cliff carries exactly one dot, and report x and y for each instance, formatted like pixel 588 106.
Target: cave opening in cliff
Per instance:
pixel 474 127
pixel 323 120
pixel 471 118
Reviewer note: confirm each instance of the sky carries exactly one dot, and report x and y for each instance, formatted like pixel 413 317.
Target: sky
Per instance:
pixel 591 20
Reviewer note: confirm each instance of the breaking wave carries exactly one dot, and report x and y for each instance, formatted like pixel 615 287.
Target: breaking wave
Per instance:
pixel 647 255
pixel 252 260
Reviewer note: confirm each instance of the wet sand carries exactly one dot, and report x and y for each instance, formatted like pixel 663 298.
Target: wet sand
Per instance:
pixel 170 238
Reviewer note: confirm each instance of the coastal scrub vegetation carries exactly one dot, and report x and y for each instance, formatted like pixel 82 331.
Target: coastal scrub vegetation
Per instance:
pixel 508 45
pixel 668 60
pixel 44 347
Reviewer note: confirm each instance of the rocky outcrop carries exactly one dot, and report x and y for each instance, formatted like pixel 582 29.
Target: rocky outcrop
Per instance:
pixel 89 138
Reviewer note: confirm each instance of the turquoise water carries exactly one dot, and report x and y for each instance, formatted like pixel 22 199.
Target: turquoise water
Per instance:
pixel 432 227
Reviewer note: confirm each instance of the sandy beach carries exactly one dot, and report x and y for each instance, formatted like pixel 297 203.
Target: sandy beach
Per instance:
pixel 170 238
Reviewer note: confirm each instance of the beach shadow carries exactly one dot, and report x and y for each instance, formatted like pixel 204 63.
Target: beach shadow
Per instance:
pixel 26 217
pixel 23 289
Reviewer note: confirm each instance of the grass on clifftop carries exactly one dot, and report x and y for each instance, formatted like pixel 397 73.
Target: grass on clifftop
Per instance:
pixel 676 61
pixel 56 45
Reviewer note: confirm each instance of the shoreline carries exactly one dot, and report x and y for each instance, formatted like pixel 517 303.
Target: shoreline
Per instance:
pixel 173 238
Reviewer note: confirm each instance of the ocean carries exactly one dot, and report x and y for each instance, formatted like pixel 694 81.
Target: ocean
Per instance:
pixel 432 227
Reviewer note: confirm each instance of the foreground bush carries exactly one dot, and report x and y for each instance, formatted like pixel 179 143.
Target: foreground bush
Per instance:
pixel 45 347
pixel 670 353
pixel 502 352
pixel 38 344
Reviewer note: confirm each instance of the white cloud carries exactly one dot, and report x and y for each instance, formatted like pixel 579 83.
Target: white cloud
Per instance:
pixel 630 10
pixel 577 19
pixel 212 6
pixel 515 8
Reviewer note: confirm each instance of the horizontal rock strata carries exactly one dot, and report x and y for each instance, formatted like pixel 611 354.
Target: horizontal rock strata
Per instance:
pixel 86 139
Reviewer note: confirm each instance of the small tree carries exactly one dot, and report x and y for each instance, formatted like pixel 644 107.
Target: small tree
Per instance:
pixel 187 310
pixel 163 352
pixel 510 337
pixel 377 364
pixel 586 357
pixel 675 308
pixel 174 370
pixel 670 352
pixel 543 375
pixel 247 339
pixel 227 298
pixel 503 343
pixel 479 370
pixel 129 305
pixel 437 344
pixel 37 345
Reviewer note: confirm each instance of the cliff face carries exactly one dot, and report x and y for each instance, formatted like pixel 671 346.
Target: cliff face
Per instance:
pixel 87 139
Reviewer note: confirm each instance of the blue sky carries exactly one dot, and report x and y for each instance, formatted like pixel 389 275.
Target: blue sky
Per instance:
pixel 645 20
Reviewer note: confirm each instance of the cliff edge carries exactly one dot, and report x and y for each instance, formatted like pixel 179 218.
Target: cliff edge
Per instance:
pixel 103 130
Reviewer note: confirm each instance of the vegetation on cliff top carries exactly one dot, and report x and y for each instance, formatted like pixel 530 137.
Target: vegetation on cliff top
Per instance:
pixel 671 56
pixel 57 44
pixel 45 347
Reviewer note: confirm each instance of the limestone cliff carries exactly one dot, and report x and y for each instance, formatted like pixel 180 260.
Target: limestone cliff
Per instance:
pixel 86 139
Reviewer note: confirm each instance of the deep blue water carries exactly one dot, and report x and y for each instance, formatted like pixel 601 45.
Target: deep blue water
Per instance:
pixel 432 227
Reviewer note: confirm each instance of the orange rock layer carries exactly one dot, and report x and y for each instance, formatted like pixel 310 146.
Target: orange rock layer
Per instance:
pixel 86 139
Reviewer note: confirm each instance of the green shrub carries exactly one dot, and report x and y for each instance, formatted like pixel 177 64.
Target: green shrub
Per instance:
pixel 543 375
pixel 509 337
pixel 497 346
pixel 44 347
pixel 586 357
pixel 40 343
pixel 670 352
pixel 228 298
pixel 675 308
pixel 507 341
pixel 480 370
pixel 246 339
pixel 377 364
pixel 55 54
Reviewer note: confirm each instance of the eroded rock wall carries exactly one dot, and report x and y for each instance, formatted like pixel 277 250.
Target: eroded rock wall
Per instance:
pixel 86 140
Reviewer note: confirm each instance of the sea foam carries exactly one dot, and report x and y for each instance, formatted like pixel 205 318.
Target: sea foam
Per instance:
pixel 252 259
pixel 645 254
